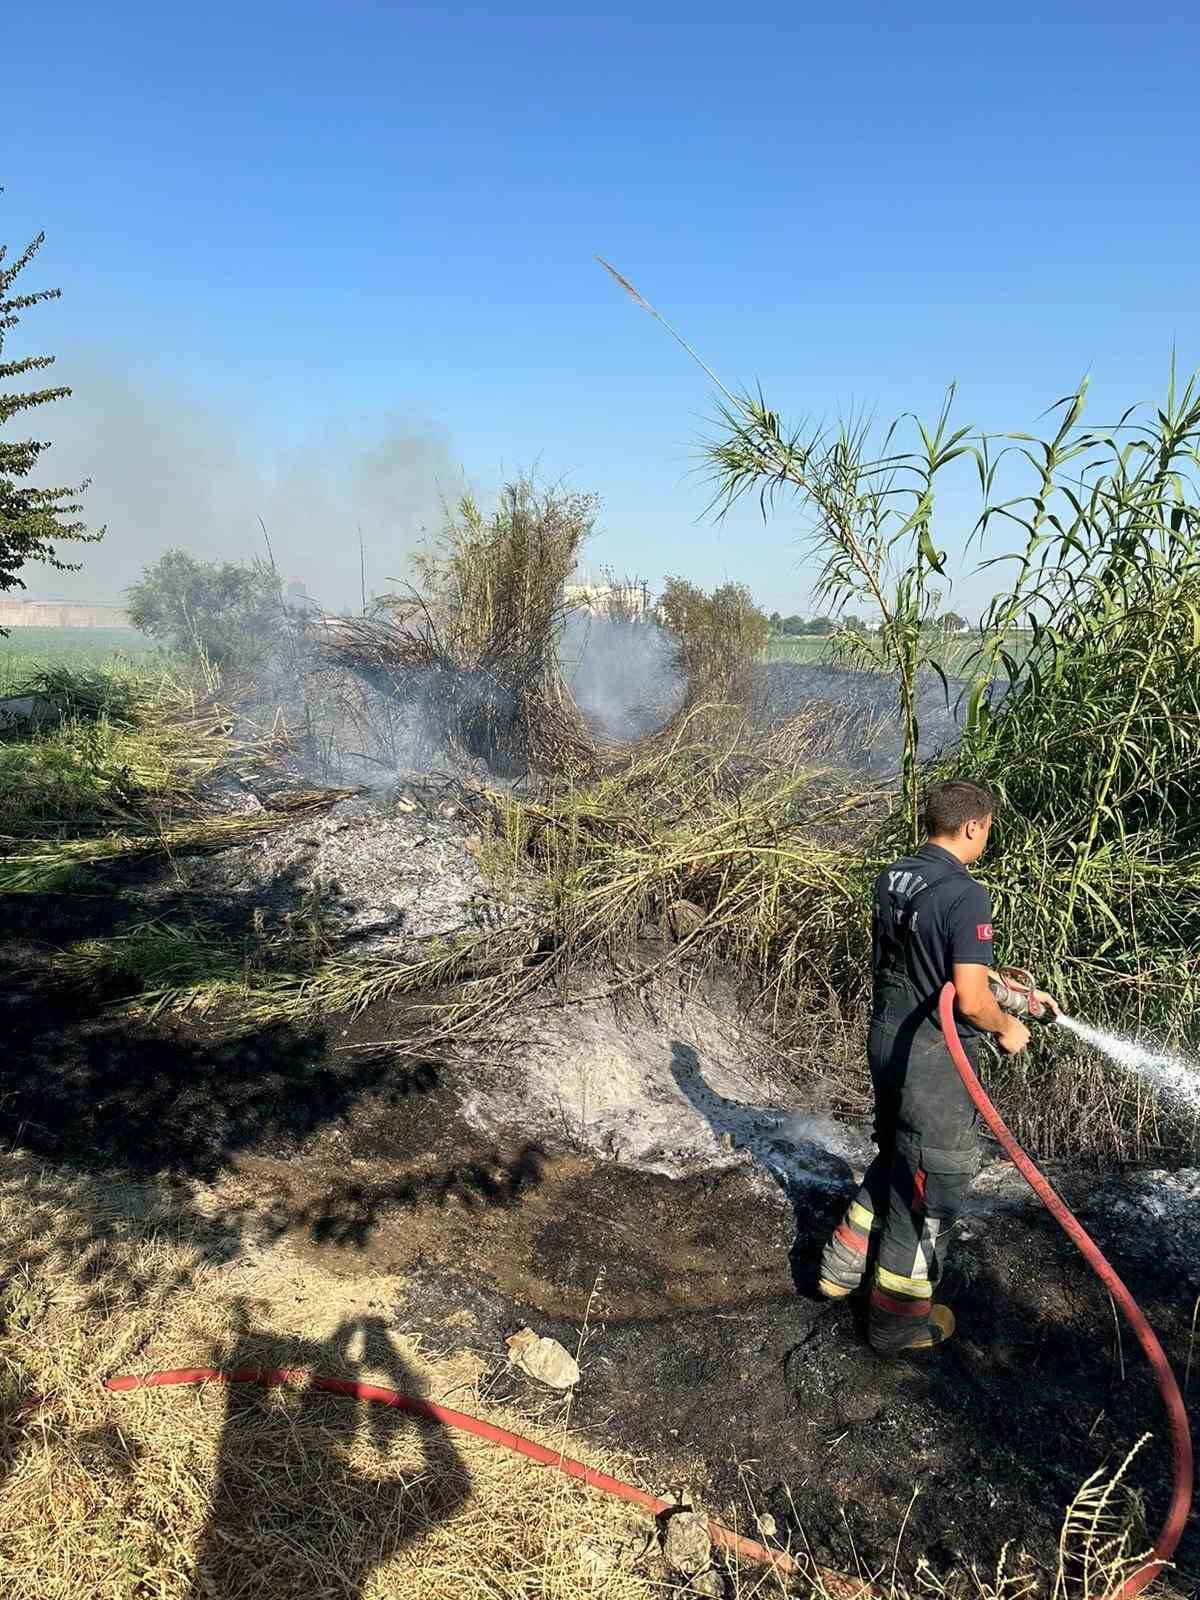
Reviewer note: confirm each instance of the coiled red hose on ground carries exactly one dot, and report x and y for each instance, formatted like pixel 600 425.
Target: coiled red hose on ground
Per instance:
pixel 746 1549
pixel 1181 1439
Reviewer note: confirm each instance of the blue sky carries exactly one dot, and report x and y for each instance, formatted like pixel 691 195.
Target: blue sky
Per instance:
pixel 294 237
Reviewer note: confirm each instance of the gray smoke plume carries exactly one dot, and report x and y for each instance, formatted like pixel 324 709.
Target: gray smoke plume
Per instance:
pixel 170 469
pixel 621 673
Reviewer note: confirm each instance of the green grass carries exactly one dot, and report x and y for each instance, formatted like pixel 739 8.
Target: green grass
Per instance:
pixel 27 651
pixel 955 655
pixel 161 966
pixel 122 775
pixel 791 647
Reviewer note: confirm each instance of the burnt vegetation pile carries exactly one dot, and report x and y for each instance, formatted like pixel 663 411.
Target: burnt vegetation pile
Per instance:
pixel 472 654
pixel 720 829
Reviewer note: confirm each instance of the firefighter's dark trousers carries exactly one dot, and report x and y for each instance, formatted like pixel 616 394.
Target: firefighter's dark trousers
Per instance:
pixel 898 1224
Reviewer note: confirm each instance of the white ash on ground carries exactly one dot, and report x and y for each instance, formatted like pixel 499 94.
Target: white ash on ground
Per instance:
pixel 1154 1213
pixel 683 1088
pixel 387 868
pixel 672 1091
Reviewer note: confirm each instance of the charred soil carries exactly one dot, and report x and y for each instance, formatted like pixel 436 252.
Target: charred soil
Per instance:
pixel 704 1348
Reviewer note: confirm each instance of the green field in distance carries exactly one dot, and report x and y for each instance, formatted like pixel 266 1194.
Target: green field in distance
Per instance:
pixel 27 651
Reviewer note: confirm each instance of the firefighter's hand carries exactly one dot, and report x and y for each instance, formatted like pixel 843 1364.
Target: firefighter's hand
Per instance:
pixel 1013 1037
pixel 1047 1002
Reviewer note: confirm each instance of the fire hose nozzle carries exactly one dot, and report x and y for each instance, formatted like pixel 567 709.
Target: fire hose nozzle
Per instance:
pixel 1013 992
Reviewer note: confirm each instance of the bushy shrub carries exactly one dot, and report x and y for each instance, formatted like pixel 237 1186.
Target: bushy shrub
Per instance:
pixel 718 638
pixel 473 654
pixel 226 615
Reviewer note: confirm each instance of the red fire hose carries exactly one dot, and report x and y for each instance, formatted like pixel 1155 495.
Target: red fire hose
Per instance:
pixel 746 1549
pixel 1181 1439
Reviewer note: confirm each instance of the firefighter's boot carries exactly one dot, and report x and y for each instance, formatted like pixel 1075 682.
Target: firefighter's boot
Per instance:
pixel 845 1258
pixel 938 1328
pixel 923 1326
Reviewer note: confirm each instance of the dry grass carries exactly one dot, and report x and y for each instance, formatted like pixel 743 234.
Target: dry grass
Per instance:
pixel 472 657
pixel 765 860
pixel 158 966
pixel 126 773
pixel 48 864
pixel 735 866
pixel 128 749
pixel 682 860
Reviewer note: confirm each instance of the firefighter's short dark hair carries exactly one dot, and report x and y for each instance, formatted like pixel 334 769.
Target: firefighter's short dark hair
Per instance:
pixel 949 806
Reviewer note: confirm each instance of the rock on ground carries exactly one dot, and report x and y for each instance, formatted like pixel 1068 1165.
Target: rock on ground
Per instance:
pixel 686 1543
pixel 543 1359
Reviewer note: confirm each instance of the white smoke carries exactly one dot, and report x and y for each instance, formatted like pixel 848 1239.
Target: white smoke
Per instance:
pixel 621 673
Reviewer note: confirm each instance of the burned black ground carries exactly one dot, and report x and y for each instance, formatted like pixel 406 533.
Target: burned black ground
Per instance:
pixel 705 1352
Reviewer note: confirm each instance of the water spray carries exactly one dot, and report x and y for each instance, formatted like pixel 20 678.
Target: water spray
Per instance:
pixel 1173 1075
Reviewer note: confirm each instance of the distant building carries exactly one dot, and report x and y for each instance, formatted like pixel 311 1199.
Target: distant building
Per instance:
pixel 607 599
pixel 23 613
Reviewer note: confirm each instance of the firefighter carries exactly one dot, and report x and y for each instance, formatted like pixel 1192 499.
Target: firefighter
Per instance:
pixel 932 923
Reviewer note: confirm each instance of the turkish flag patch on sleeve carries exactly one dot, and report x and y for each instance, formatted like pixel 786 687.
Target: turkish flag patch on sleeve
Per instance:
pixel 983 930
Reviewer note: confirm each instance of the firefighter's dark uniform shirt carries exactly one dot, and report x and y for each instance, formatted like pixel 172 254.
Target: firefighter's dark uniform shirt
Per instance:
pixel 932 904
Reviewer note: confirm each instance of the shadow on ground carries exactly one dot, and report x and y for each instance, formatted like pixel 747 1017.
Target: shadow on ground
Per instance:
pixel 813 1178
pixel 181 1098
pixel 135 1113
pixel 295 1467
pixel 774 1396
